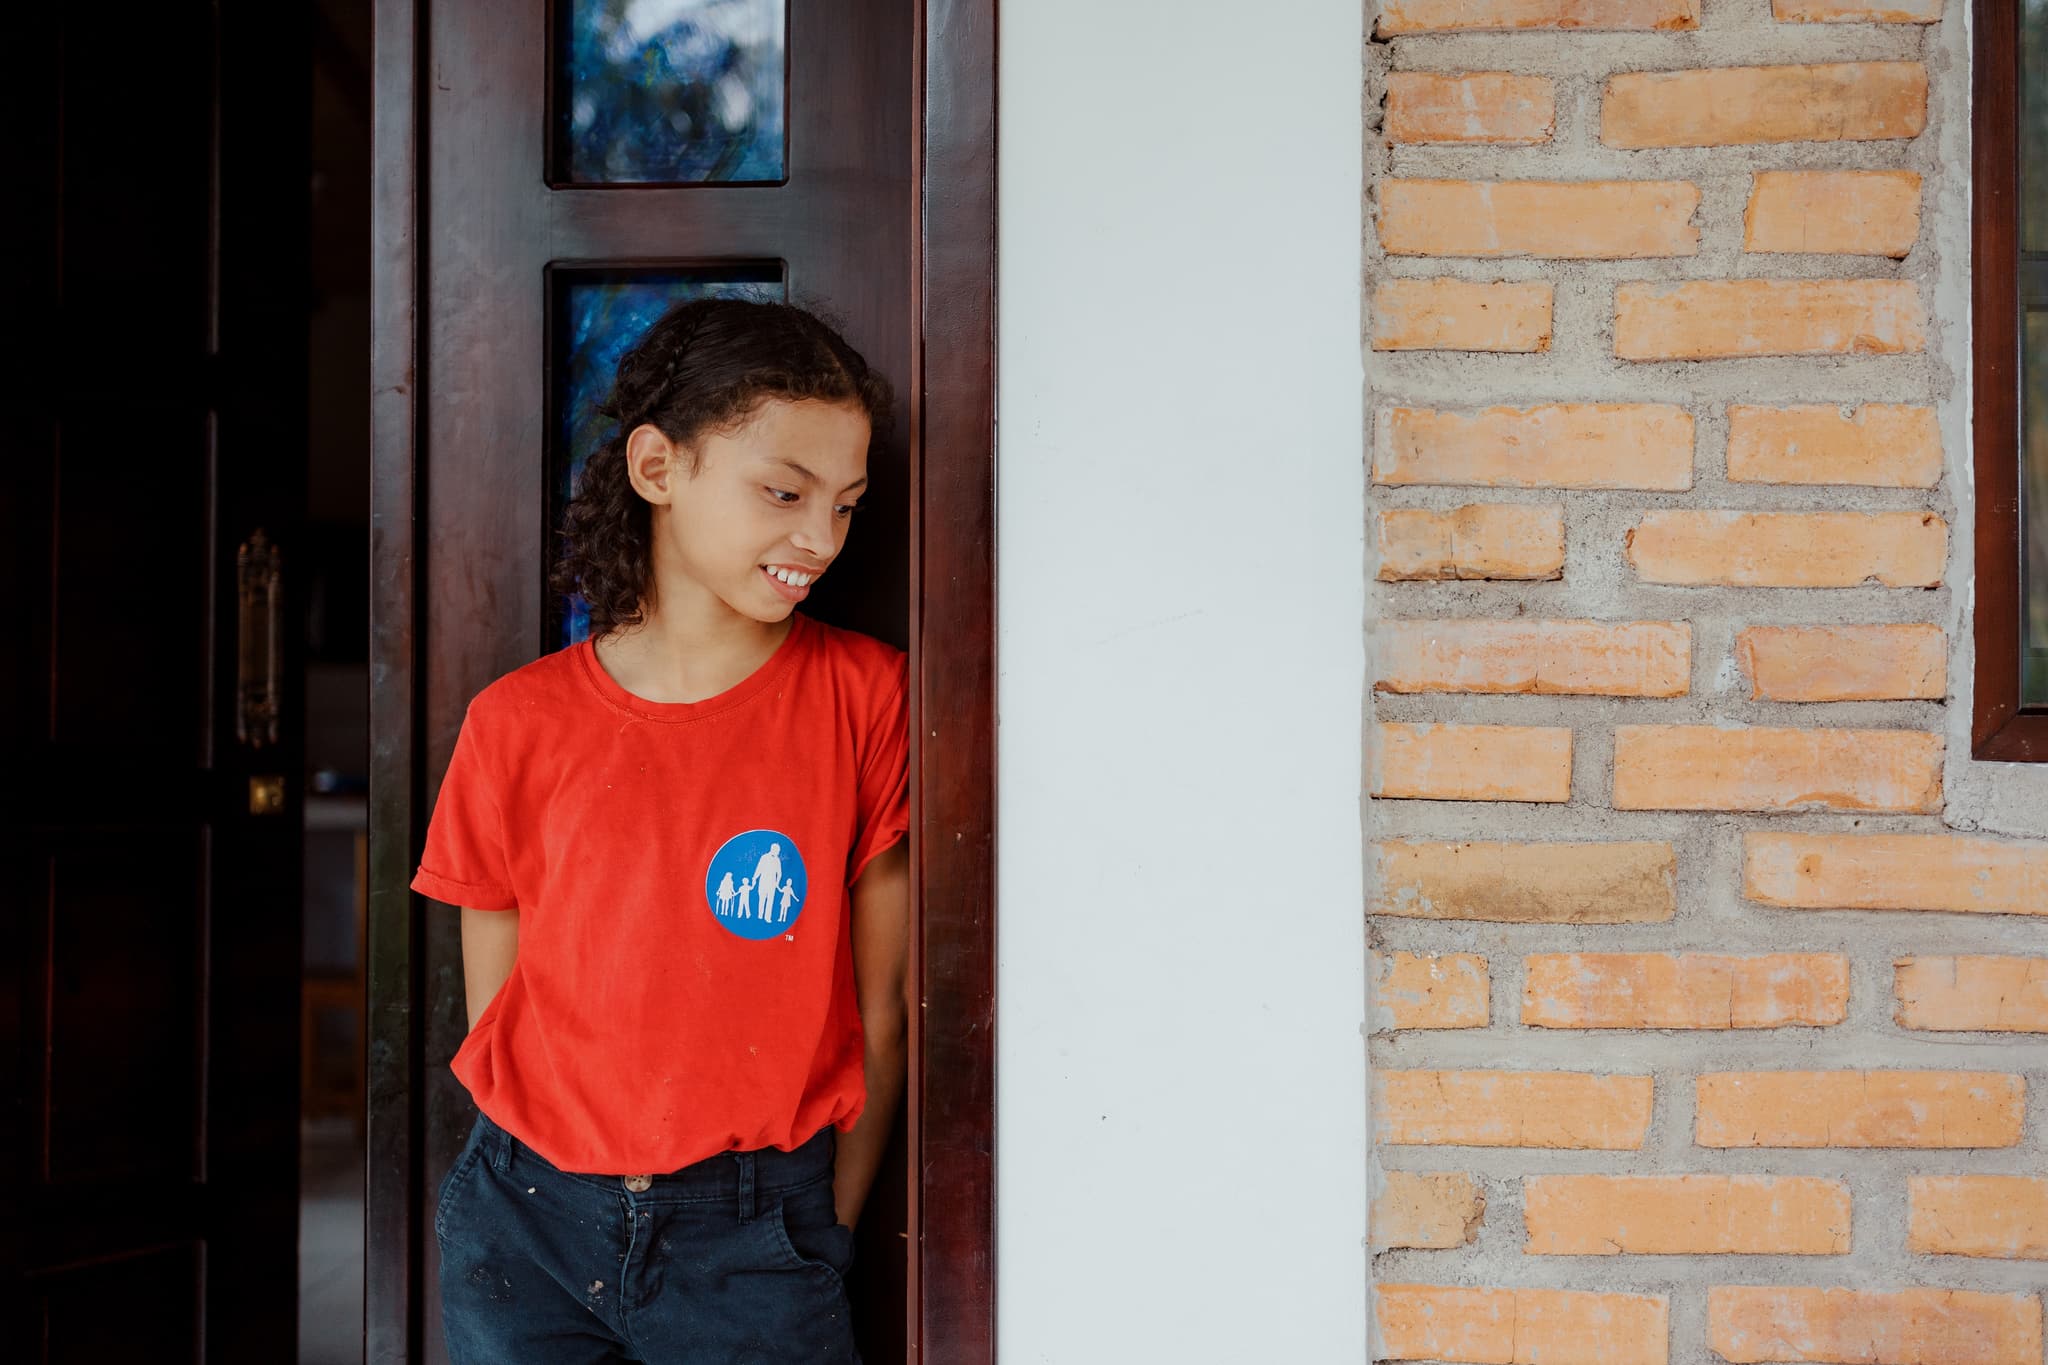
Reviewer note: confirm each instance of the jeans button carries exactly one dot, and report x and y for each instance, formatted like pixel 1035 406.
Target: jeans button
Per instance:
pixel 639 1184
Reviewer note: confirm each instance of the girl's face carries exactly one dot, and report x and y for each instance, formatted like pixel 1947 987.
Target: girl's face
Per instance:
pixel 766 509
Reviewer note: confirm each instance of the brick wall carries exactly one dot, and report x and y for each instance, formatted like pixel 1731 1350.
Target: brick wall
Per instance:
pixel 1702 1031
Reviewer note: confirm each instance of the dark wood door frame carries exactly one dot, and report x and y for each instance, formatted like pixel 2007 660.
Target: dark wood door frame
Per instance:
pixel 953 846
pixel 2003 728
pixel 951 1301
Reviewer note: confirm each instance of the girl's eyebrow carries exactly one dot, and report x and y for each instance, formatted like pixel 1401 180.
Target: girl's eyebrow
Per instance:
pixel 809 477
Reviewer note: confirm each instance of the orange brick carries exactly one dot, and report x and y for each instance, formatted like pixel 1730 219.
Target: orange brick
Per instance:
pixel 1855 1327
pixel 1556 1109
pixel 1859 1109
pixel 1694 548
pixel 1857 11
pixel 1953 872
pixel 1492 541
pixel 1473 763
pixel 1433 990
pixel 1482 106
pixel 2002 1216
pixel 1599 1215
pixel 1552 658
pixel 1684 990
pixel 1459 315
pixel 1432 1211
pixel 1707 767
pixel 1842 102
pixel 1884 445
pixel 1717 319
pixel 1844 663
pixel 1520 1326
pixel 1957 994
pixel 1555 445
pixel 1508 883
pixel 1436 16
pixel 1855 213
pixel 1590 219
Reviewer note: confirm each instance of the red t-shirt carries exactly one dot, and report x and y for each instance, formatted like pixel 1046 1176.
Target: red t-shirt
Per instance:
pixel 684 984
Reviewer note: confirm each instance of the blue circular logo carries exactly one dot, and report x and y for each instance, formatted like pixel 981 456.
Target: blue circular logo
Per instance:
pixel 757 884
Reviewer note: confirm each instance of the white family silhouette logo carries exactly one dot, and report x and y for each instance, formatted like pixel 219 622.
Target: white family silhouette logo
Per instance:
pixel 755 884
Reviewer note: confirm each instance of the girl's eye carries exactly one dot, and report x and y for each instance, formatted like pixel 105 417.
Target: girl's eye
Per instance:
pixel 786 498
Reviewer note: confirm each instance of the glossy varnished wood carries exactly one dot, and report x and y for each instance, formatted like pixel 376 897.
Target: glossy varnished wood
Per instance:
pixel 392 1174
pixel 841 230
pixel 466 228
pixel 956 679
pixel 2001 728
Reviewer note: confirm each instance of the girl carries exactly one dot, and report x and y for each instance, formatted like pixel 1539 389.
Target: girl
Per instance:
pixel 657 1171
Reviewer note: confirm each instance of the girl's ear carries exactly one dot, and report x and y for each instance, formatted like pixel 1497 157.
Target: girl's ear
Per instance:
pixel 653 463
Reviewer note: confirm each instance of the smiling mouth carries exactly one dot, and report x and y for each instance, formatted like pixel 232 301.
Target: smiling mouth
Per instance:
pixel 795 578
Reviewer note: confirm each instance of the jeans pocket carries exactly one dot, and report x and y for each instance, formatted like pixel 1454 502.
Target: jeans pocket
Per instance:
pixel 472 1153
pixel 807 1225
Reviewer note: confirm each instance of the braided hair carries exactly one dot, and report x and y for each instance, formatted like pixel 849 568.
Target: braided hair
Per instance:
pixel 706 365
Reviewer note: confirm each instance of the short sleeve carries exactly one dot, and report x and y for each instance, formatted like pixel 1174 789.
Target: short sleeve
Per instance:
pixel 464 862
pixel 883 799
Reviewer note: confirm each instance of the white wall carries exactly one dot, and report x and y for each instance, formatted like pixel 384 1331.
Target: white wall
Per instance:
pixel 1180 1107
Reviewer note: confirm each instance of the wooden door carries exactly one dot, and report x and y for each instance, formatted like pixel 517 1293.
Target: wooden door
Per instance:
pixel 150 849
pixel 534 239
pixel 948 1301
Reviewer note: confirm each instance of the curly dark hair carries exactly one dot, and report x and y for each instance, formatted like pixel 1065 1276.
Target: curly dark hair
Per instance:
pixel 706 365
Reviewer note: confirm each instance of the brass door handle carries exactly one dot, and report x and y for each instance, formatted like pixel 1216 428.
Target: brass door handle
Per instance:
pixel 259 682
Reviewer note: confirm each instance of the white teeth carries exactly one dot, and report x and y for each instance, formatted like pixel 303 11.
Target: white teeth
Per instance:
pixel 791 576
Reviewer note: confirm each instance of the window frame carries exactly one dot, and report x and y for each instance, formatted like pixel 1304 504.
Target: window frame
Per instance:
pixel 2002 727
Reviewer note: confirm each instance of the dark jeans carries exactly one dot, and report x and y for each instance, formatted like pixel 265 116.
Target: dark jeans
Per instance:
pixel 736 1258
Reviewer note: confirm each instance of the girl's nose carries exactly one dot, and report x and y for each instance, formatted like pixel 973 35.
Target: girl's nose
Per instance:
pixel 816 536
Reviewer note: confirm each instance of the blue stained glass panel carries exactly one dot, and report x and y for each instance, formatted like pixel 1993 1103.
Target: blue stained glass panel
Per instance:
pixel 598 316
pixel 671 91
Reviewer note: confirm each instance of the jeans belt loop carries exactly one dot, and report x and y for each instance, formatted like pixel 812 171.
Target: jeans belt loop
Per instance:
pixel 502 1156
pixel 746 1160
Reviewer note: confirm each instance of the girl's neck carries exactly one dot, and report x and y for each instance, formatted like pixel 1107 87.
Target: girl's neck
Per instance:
pixel 670 657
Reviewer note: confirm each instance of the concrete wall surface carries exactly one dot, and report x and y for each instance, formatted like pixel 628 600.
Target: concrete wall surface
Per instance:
pixel 1181 1151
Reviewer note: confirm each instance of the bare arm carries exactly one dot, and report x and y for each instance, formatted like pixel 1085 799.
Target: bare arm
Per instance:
pixel 881 948
pixel 490 942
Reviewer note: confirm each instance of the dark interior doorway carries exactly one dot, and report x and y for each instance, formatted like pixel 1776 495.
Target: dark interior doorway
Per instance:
pixel 210 282
pixel 177 520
